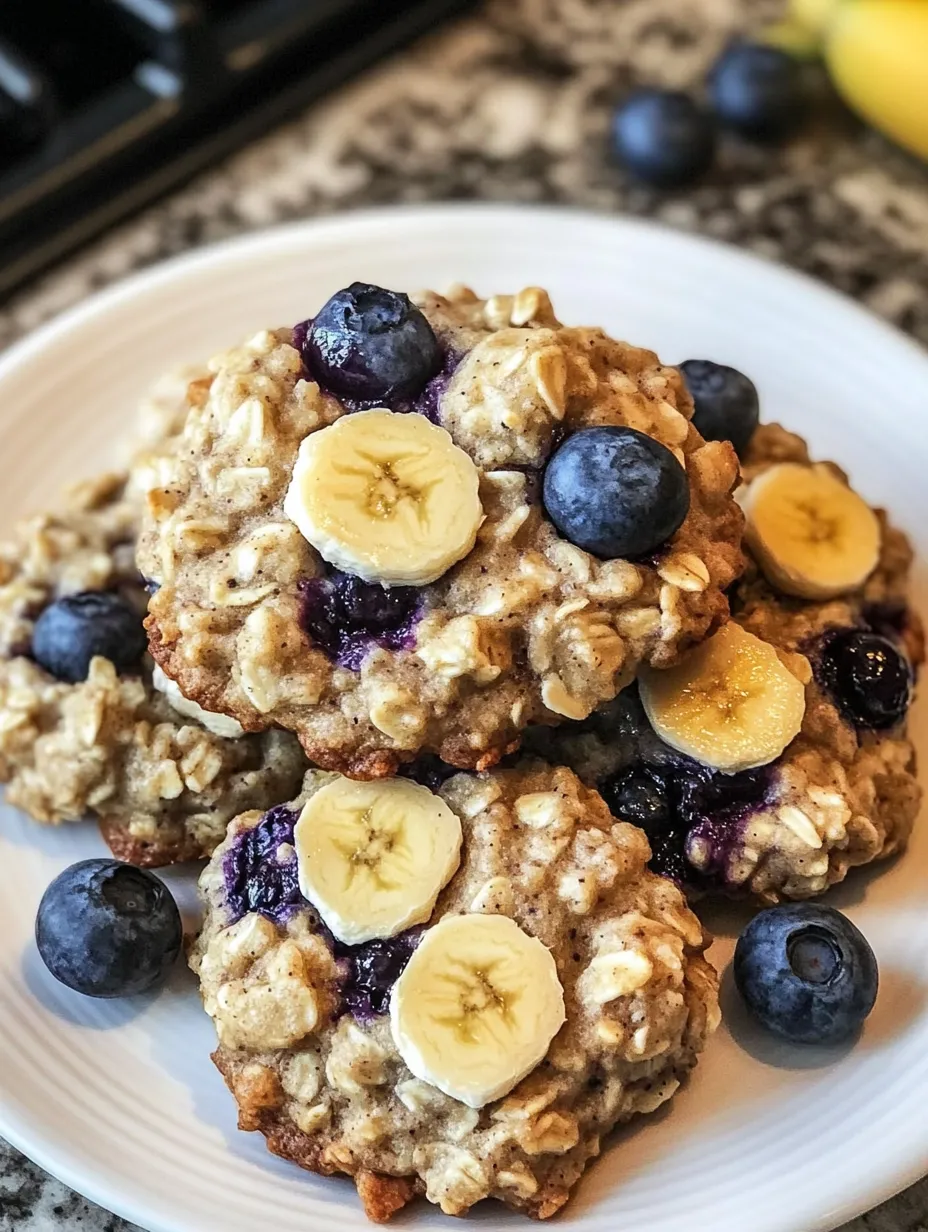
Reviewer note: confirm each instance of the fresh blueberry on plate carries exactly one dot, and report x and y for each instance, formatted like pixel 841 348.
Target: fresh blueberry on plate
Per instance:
pixel 107 929
pixel 371 344
pixel 72 630
pixel 663 137
pixel 615 492
pixel 806 973
pixel 868 677
pixel 758 90
pixel 726 402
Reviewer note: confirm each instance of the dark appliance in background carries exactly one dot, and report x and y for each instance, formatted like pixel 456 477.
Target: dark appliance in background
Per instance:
pixel 104 104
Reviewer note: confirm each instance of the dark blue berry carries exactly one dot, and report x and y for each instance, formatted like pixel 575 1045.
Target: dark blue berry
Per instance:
pixel 615 492
pixel 371 971
pixel 664 137
pixel 370 344
pixel 680 802
pixel 108 929
pixel 71 631
pixel 260 869
pixel 428 770
pixel 806 972
pixel 726 402
pixel 638 797
pixel 869 679
pixel 758 90
pixel 346 616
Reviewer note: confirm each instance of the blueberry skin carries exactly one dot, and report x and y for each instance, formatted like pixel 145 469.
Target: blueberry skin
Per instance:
pixel 72 630
pixel 868 677
pixel 615 492
pixel 663 137
pixel 640 799
pixel 758 91
pixel 726 402
pixel 806 973
pixel 371 344
pixel 107 929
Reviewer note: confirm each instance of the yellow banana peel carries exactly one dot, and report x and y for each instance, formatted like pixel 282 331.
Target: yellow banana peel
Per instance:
pixel 877 54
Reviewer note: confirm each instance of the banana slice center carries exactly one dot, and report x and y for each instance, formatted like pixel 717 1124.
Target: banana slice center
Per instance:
pixel 482 1008
pixel 373 857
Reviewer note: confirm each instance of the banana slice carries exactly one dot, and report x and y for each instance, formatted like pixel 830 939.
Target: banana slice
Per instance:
pixel 219 724
pixel 731 704
pixel 476 1007
pixel 373 857
pixel 812 535
pixel 386 496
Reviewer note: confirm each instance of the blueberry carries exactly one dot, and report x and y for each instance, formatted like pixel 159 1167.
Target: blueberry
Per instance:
pixel 72 630
pixel 637 797
pixel 758 91
pixel 726 401
pixel 615 491
pixel 643 800
pixel 372 970
pixel 806 972
pixel 663 137
pixel 868 677
pixel 370 344
pixel 107 929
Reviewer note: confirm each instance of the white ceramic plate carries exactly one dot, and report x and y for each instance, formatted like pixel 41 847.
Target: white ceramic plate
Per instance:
pixel 120 1100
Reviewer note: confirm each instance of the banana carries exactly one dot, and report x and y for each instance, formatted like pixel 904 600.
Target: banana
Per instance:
pixel 877 54
pixel 219 724
pixel 373 857
pixel 386 496
pixel 813 14
pixel 731 704
pixel 476 1007
pixel 813 536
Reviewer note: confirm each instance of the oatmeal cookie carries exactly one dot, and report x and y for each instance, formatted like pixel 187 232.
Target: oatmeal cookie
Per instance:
pixel 317 1039
pixel 109 744
pixel 842 793
pixel 447 630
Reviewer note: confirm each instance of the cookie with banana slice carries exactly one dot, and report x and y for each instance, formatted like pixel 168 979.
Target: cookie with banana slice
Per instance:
pixel 453 994
pixel 776 756
pixel 88 728
pixel 404 527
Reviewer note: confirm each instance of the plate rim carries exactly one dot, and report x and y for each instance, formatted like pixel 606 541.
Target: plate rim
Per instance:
pixel 111 1193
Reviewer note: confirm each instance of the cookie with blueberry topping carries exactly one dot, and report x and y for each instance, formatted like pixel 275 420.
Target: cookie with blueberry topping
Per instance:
pixel 455 995
pixel 88 728
pixel 777 758
pixel 419 525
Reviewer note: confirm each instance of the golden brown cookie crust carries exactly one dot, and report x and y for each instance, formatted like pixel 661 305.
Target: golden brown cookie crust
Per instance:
pixel 111 747
pixel 527 628
pixel 339 1099
pixel 839 797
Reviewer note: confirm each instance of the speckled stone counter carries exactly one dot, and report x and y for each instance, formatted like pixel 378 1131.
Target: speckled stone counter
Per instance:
pixel 513 104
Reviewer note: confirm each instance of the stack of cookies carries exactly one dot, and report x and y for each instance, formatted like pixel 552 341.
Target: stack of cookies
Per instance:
pixel 478 648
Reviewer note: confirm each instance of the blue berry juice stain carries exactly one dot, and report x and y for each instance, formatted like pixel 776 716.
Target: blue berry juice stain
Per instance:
pixel 260 869
pixel 346 617
pixel 371 970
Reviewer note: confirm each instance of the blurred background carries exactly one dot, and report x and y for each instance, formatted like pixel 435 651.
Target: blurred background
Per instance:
pixel 105 104
pixel 131 130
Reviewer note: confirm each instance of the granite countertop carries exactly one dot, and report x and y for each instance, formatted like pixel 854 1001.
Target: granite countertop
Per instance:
pixel 513 104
